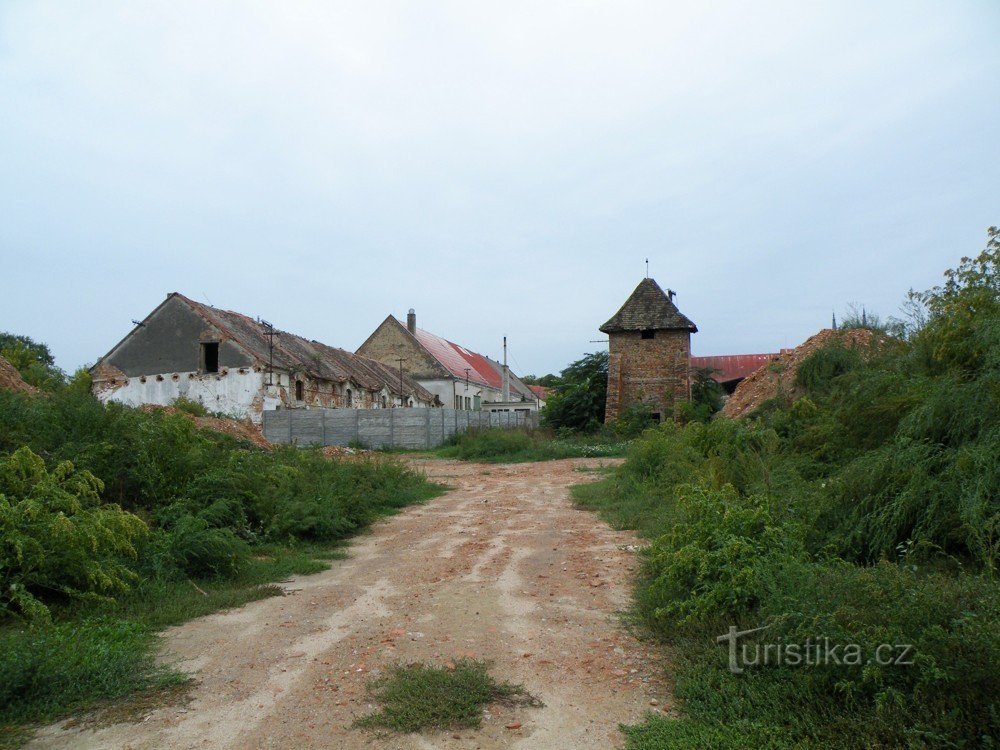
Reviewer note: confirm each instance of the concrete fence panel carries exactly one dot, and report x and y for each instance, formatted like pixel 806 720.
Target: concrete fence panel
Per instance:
pixel 415 428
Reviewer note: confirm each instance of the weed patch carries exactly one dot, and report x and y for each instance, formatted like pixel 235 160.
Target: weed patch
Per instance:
pixel 421 696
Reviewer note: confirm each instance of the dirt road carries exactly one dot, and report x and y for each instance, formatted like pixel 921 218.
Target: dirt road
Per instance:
pixel 502 567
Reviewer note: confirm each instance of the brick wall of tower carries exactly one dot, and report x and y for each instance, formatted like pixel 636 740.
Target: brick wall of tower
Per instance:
pixel 654 371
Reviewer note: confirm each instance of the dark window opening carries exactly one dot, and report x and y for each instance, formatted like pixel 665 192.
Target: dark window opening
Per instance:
pixel 647 334
pixel 210 356
pixel 300 390
pixel 349 397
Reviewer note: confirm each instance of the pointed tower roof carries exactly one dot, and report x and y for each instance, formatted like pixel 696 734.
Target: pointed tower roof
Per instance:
pixel 648 308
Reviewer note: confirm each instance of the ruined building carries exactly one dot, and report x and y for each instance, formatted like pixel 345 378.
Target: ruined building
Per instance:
pixel 238 366
pixel 650 353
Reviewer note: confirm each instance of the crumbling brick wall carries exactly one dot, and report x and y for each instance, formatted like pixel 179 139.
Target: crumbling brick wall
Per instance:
pixel 654 371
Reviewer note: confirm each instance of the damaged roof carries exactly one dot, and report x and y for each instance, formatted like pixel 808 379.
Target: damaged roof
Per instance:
pixel 648 308
pixel 295 353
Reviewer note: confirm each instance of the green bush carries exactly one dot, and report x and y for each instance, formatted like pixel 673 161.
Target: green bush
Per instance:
pixel 190 406
pixel 866 513
pixel 723 555
pixel 817 371
pixel 57 536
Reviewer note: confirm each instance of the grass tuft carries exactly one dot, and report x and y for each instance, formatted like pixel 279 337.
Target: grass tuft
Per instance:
pixel 422 696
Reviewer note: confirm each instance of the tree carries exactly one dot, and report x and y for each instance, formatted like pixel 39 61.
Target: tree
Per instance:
pixel 549 381
pixel 32 359
pixel 578 403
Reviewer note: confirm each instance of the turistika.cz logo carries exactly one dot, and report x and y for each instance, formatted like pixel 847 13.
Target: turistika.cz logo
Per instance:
pixel 814 652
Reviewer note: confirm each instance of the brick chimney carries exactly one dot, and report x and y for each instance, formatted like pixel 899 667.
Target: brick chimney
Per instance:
pixel 411 322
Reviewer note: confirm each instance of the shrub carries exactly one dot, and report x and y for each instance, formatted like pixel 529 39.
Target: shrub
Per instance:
pixel 722 557
pixel 190 406
pixel 818 370
pixel 57 536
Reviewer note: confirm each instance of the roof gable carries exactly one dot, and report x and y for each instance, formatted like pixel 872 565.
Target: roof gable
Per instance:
pixel 648 308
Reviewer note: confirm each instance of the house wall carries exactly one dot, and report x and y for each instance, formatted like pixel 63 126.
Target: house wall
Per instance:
pixel 652 371
pixel 170 342
pixel 242 393
pixel 390 341
pixel 237 393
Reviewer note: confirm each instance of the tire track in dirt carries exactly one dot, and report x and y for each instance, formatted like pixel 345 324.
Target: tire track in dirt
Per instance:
pixel 502 567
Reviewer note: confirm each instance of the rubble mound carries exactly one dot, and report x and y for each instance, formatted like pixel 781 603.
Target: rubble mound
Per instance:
pixel 340 451
pixel 778 375
pixel 242 429
pixel 10 378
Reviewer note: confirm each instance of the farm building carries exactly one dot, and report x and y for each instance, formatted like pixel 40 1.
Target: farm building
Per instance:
pixel 650 353
pixel 457 376
pixel 238 366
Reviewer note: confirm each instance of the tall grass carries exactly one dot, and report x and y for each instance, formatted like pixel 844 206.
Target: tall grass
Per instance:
pixel 515 446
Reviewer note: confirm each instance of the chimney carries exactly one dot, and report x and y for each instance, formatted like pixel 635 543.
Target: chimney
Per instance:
pixel 411 322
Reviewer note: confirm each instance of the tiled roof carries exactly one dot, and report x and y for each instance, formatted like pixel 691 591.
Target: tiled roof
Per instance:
pixel 293 352
pixel 647 308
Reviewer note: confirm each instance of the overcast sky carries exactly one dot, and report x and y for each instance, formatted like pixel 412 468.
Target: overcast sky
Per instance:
pixel 504 168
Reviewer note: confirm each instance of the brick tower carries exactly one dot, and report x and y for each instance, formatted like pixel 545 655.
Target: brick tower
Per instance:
pixel 650 347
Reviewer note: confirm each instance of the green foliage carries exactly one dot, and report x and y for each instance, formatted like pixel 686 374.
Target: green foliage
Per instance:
pixel 421 696
pixel 720 559
pixel 578 402
pixel 867 512
pixel 632 421
pixel 222 511
pixel 32 359
pixel 707 397
pixel 549 381
pixel 46 672
pixel 514 446
pixel 818 370
pixel 190 406
pixel 57 535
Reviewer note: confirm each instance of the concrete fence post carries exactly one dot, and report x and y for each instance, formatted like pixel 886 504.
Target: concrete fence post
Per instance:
pixel 322 421
pixel 357 427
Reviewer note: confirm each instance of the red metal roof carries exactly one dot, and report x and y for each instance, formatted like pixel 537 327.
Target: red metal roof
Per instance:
pixel 728 367
pixel 540 391
pixel 457 358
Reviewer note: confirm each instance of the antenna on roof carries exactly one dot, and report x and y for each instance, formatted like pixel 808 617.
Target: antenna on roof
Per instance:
pixel 647 268
pixel 835 320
